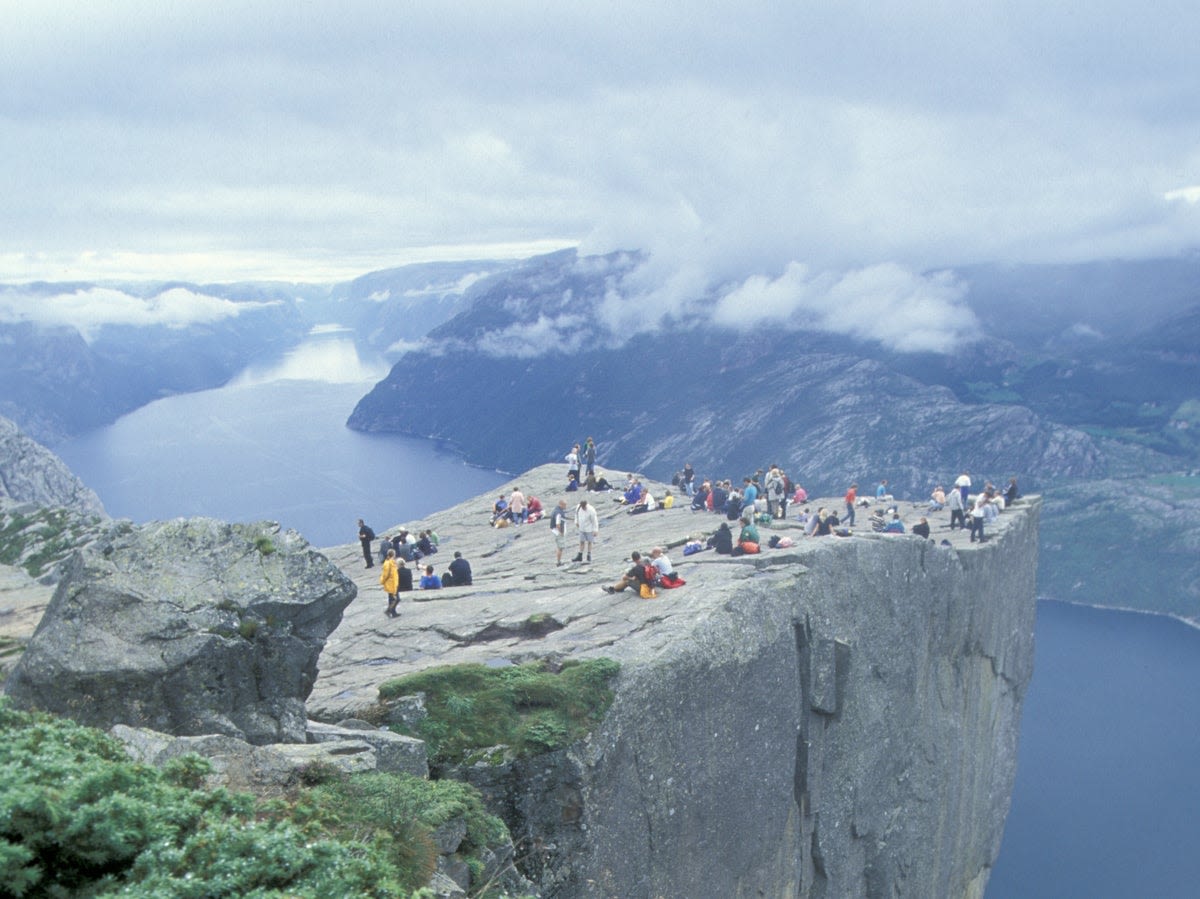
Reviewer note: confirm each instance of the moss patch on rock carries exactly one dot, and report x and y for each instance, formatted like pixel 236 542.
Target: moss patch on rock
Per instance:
pixel 531 708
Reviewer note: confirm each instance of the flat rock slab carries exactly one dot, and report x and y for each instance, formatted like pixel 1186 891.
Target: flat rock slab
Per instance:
pixel 522 606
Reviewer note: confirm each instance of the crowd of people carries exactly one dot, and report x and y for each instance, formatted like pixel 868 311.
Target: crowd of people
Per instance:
pixel 761 498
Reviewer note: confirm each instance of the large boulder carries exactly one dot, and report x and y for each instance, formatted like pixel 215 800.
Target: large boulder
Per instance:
pixel 187 627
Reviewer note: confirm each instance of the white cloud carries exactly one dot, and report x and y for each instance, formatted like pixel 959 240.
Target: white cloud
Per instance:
pixel 91 309
pixel 333 361
pixel 203 142
pixel 1190 194
pixel 528 340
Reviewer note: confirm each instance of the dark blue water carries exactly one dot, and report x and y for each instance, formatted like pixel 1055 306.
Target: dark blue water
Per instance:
pixel 278 451
pixel 1107 800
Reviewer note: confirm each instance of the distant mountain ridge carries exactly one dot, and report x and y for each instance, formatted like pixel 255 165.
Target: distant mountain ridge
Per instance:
pixel 822 405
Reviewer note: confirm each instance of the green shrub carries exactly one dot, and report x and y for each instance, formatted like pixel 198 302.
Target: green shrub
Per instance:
pixel 77 818
pixel 530 708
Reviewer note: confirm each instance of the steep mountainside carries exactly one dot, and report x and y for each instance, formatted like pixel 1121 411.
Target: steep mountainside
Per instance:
pixel 822 406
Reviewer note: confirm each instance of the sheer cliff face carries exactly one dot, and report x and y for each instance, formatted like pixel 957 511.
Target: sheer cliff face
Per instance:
pixel 846 728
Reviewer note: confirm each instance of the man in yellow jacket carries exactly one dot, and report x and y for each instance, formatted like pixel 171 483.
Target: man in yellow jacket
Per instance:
pixel 389 578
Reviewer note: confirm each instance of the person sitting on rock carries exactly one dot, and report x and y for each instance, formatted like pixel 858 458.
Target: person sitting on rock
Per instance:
pixel 1011 493
pixel 405 573
pixel 826 522
pixel 429 580
pixel 666 571
pixel 722 540
pixel 921 528
pixel 460 568
pixel 937 499
pixel 598 483
pixel 700 497
pixel 647 503
pixel 878 522
pixel 500 510
pixel 720 493
pixel 633 494
pixel 425 544
pixel 749 533
pixel 733 506
pixel 533 509
pixel 634 577
pixel 882 494
pixel 895 526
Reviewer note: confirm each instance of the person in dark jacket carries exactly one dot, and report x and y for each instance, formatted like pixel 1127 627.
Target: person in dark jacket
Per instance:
pixel 406 581
pixel 365 536
pixel 722 540
pixel 461 569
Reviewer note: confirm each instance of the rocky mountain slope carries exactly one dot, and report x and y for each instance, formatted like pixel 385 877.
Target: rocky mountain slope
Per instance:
pixel 29 473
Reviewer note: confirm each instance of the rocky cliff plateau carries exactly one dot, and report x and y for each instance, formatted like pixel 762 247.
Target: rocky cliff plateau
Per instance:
pixel 839 718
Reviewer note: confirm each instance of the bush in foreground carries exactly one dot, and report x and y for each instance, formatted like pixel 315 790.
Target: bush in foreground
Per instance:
pixel 79 819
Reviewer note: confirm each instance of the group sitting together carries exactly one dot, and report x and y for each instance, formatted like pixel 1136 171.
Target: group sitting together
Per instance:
pixel 516 509
pixel 638 498
pixel 410 547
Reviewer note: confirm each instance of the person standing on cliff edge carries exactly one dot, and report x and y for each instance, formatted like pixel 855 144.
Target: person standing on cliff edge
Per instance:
pixel 851 500
pixel 365 536
pixel 589 456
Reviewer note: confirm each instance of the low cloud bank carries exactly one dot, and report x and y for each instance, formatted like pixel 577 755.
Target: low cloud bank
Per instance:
pixel 902 310
pixel 89 310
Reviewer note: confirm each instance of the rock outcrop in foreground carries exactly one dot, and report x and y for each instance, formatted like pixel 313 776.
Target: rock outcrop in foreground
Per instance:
pixel 188 627
pixel 839 718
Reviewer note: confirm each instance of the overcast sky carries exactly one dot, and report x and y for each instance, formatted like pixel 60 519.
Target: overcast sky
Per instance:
pixel 747 144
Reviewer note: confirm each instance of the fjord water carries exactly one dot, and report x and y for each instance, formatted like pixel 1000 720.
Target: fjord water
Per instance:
pixel 272 447
pixel 1108 780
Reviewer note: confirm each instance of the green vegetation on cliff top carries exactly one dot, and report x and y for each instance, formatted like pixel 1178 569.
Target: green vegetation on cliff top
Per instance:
pixel 529 708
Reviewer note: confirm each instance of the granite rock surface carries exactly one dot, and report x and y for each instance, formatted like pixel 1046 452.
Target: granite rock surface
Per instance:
pixel 188 627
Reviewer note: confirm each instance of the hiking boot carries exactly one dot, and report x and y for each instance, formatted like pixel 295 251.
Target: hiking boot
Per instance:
pixel 578 557
pixel 608 589
pixel 589 557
